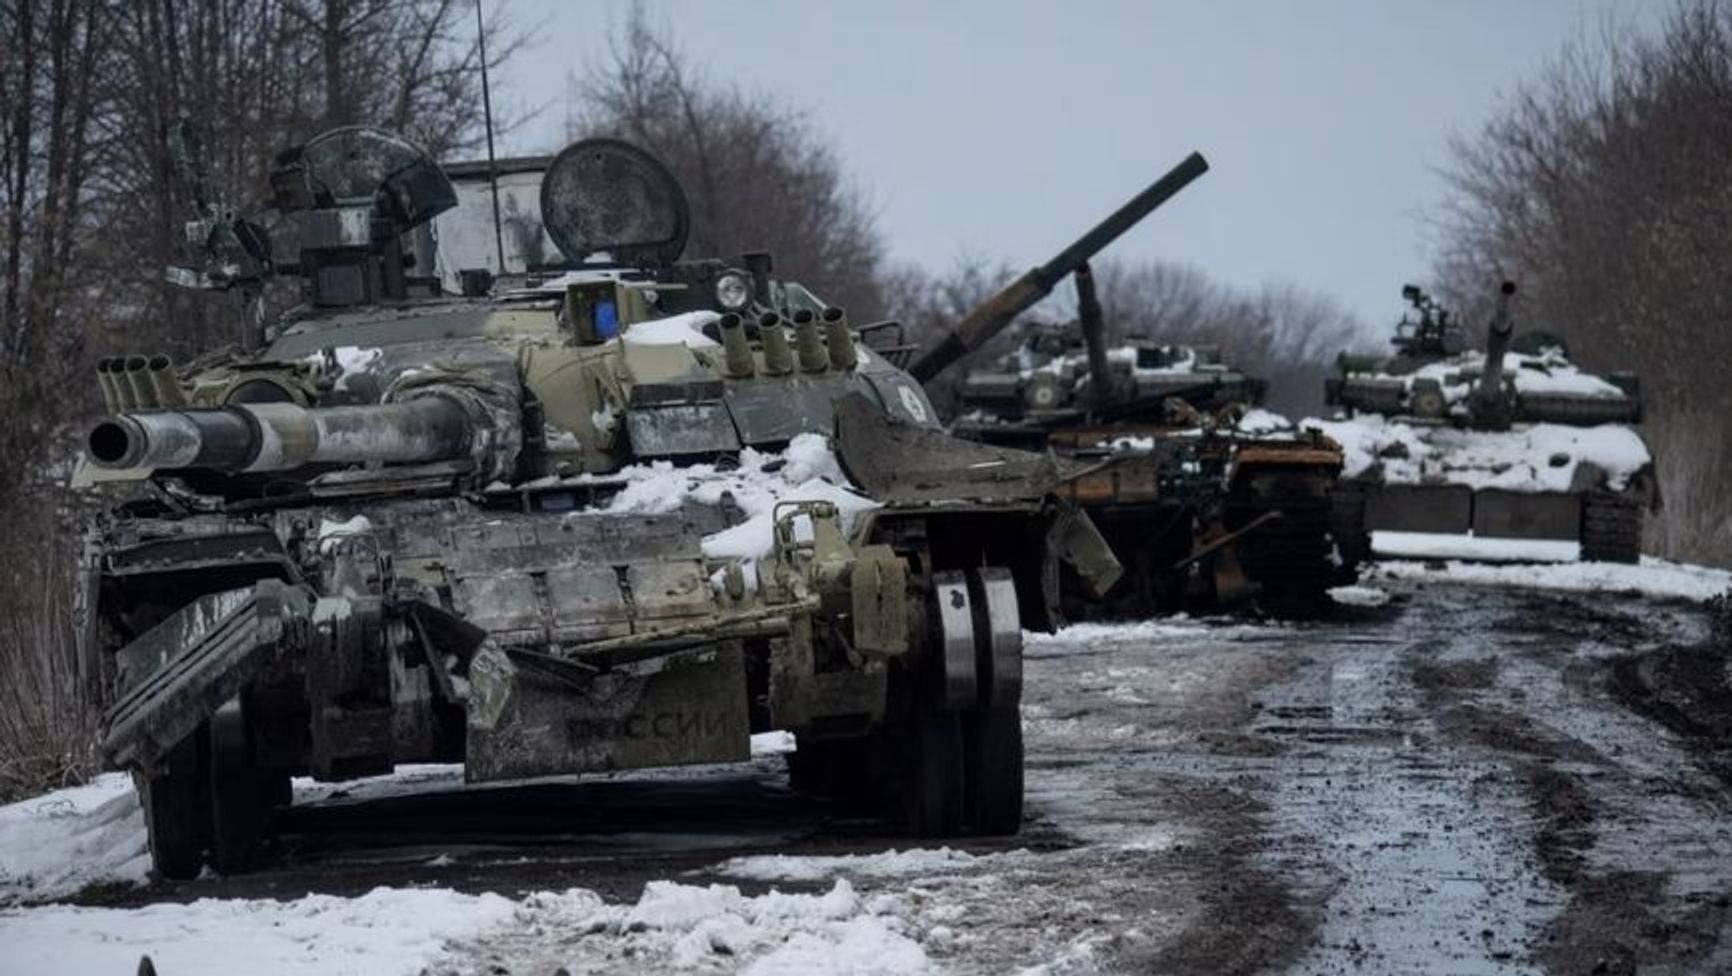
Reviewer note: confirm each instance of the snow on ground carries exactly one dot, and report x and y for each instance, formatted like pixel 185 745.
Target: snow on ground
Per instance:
pixel 1085 637
pixel 885 864
pixel 53 845
pixel 686 928
pixel 1359 596
pixel 1449 545
pixel 386 931
pixel 1528 457
pixel 1654 577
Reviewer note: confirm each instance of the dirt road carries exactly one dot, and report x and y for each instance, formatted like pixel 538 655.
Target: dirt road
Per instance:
pixel 1462 780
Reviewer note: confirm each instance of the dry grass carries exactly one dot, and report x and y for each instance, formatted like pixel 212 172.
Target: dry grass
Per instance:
pixel 1693 454
pixel 47 725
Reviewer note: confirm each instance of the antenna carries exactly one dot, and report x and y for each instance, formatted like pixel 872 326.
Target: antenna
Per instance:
pixel 487 112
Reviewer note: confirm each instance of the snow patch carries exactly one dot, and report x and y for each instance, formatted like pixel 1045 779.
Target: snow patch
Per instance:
pixel 675 330
pixel 58 843
pixel 1526 458
pixel 1444 545
pixel 886 864
pixel 386 931
pixel 1090 636
pixel 1359 596
pixel 1653 577
pixel 777 743
pixel 682 928
pixel 806 471
pixel 331 533
pixel 1257 421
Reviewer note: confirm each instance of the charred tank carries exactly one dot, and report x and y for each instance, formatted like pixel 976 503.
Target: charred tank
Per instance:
pixel 1204 497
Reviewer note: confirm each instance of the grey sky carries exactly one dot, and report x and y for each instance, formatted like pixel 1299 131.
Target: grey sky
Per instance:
pixel 1001 129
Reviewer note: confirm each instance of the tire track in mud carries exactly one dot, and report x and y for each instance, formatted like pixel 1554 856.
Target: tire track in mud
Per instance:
pixel 1594 803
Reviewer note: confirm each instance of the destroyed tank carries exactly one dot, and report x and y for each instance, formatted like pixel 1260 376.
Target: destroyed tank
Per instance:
pixel 1205 499
pixel 592 520
pixel 1515 442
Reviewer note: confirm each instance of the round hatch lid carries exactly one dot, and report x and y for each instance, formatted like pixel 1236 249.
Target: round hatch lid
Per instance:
pixel 608 196
pixel 362 166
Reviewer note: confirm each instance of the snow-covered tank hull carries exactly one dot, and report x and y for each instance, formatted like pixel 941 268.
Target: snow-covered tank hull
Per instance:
pixel 1514 443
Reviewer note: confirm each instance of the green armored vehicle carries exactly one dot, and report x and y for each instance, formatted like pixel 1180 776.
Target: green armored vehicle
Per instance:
pixel 1512 443
pixel 617 516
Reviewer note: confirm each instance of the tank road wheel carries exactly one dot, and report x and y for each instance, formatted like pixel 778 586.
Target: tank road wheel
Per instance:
pixel 993 740
pixel 1611 527
pixel 933 799
pixel 931 762
pixel 241 794
pixel 960 752
pixel 992 731
pixel 176 819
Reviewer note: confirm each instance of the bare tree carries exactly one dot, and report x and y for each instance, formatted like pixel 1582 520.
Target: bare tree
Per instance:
pixel 758 175
pixel 90 214
pixel 1602 187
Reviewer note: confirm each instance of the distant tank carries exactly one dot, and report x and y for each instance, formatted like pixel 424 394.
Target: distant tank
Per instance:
pixel 1515 442
pixel 614 516
pixel 1204 498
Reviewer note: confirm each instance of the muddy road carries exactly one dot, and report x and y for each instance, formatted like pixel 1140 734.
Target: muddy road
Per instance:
pixel 1461 780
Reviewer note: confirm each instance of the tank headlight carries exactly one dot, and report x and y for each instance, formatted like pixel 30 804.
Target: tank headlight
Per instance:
pixel 733 292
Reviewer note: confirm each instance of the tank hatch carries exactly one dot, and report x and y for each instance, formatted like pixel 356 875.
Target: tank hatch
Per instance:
pixel 604 196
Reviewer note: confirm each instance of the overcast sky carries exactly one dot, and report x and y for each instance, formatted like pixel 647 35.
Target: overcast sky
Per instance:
pixel 1004 129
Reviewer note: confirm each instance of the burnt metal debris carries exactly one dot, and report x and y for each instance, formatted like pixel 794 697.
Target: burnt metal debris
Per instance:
pixel 1512 442
pixel 1200 510
pixel 385 528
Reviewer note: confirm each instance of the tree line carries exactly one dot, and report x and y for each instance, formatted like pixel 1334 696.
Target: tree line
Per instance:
pixel 1601 185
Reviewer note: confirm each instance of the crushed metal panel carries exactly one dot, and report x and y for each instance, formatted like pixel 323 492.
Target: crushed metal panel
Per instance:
pixel 204 664
pixel 688 708
pixel 1418 508
pixel 1499 513
pixel 897 462
pixel 1079 543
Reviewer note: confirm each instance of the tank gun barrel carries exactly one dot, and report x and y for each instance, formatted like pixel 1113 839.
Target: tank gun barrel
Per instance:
pixel 280 436
pixel 1093 322
pixel 992 316
pixel 1488 394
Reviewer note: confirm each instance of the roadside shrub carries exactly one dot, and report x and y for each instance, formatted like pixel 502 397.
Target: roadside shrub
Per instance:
pixel 47 725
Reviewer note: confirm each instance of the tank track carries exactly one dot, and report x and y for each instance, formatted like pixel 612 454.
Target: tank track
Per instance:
pixel 1347 526
pixel 1288 557
pixel 1611 528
